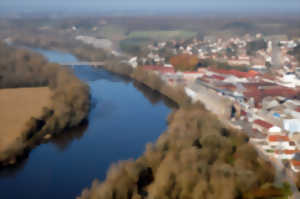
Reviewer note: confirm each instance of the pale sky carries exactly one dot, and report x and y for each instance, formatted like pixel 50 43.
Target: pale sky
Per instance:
pixel 216 5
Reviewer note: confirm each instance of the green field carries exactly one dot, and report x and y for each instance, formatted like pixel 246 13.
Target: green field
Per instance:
pixel 113 32
pixel 162 34
pixel 133 45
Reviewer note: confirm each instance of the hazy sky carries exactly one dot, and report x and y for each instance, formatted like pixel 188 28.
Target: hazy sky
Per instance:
pixel 222 5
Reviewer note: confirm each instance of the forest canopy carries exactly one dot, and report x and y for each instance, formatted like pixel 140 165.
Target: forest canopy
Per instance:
pixel 255 45
pixel 184 62
pixel 195 158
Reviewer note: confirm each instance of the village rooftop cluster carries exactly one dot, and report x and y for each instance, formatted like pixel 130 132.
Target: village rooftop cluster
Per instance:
pixel 258 92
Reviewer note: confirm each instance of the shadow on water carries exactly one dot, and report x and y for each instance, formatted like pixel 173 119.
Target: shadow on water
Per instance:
pixel 61 141
pixel 154 96
pixel 88 73
pixel 12 170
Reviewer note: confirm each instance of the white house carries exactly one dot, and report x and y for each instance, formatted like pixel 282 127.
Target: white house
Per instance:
pixel 285 154
pixel 295 165
pixel 292 125
pixel 133 62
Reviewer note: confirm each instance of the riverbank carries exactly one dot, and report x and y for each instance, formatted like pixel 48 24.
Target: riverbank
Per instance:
pixel 69 99
pixel 192 133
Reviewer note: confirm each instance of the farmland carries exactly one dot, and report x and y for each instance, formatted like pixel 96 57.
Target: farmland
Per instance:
pixel 162 34
pixel 15 113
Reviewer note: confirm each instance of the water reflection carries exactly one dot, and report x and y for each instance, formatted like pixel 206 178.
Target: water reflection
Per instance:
pixel 154 96
pixel 61 141
pixel 12 171
pixel 89 74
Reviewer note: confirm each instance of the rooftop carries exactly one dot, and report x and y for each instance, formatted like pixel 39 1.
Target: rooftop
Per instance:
pixel 263 124
pixel 295 163
pixel 278 138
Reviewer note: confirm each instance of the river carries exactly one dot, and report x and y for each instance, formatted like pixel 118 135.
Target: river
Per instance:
pixel 124 117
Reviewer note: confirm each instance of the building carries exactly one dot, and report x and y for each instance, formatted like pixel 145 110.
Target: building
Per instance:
pixel 285 154
pixel 281 141
pixel 295 165
pixel 261 125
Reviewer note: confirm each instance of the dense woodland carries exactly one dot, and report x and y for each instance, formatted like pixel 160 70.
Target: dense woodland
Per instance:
pixel 184 62
pixel 256 45
pixel 70 99
pixel 195 158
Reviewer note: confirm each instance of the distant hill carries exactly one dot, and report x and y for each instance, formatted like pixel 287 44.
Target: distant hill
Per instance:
pixel 242 27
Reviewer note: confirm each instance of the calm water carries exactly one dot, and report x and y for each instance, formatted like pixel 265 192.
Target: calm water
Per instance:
pixel 124 117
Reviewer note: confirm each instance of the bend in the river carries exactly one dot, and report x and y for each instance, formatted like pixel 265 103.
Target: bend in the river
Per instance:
pixel 125 116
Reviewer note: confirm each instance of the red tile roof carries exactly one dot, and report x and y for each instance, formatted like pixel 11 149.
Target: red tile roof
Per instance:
pixel 278 138
pixel 287 152
pixel 230 87
pixel 218 77
pixel 193 72
pixel 295 162
pixel 263 124
pixel 274 91
pixel 236 73
pixel 279 91
pixel 243 113
pixel 255 85
pixel 292 143
pixel 267 76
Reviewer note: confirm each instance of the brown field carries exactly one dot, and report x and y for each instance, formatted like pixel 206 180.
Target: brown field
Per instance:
pixel 17 106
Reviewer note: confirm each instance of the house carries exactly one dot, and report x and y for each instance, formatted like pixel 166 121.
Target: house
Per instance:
pixel 133 62
pixel 261 125
pixel 295 165
pixel 292 125
pixel 236 73
pixel 281 141
pixel 285 154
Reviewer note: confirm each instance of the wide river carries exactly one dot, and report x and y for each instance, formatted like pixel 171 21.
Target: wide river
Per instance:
pixel 125 116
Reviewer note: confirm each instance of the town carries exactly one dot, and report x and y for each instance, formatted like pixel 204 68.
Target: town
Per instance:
pixel 251 82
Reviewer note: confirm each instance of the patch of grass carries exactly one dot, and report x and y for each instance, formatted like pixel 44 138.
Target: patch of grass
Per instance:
pixel 133 46
pixel 113 32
